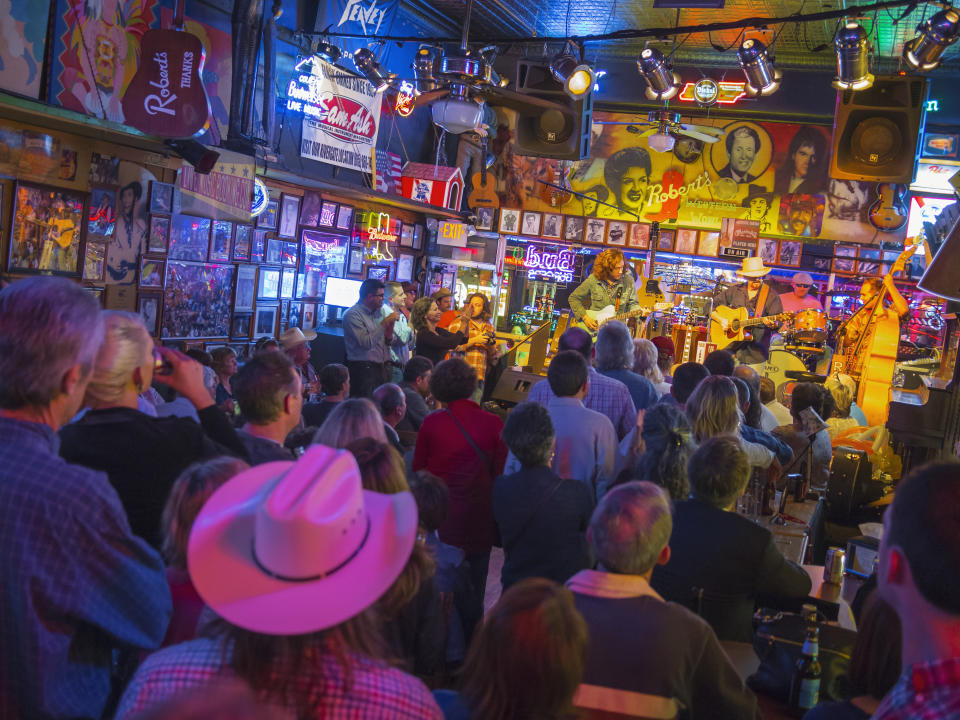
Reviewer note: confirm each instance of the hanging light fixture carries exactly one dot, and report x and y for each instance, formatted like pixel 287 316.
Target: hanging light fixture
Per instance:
pixel 423 63
pixel 368 66
pixel 328 52
pixel 853 58
pixel 577 77
pixel 936 35
pixel 662 82
pixel 762 77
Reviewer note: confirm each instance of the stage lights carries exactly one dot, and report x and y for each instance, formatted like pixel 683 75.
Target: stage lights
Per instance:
pixel 762 77
pixel 577 77
pixel 368 66
pixel 853 58
pixel 662 82
pixel 936 35
pixel 423 63
pixel 328 52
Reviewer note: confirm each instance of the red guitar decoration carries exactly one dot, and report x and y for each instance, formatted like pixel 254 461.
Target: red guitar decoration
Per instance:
pixel 166 97
pixel 552 196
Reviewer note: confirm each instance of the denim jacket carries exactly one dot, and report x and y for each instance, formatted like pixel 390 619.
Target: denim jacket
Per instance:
pixel 595 294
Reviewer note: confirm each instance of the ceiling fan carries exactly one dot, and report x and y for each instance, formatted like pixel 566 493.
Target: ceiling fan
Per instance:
pixel 663 127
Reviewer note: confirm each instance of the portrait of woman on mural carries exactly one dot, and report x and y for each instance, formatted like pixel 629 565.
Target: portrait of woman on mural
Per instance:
pixel 627 176
pixel 804 171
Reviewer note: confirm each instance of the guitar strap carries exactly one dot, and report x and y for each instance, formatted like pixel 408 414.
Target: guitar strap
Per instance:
pixel 761 300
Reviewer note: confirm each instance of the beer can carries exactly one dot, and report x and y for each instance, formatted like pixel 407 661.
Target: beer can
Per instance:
pixel 833 568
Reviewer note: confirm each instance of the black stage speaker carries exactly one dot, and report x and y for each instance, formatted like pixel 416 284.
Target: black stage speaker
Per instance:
pixel 851 484
pixel 551 133
pixel 942 278
pixel 876 131
pixel 513 386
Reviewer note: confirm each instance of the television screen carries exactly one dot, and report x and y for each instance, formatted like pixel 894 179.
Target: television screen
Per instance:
pixel 341 292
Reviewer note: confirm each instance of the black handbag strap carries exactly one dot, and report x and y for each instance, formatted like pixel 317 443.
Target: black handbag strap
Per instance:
pixel 483 456
pixel 526 523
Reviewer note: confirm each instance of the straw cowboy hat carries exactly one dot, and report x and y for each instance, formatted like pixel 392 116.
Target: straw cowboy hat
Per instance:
pixel 288 548
pixel 753 267
pixel 291 337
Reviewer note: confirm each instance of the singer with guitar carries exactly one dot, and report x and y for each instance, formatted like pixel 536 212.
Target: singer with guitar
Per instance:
pixel 608 285
pixel 749 295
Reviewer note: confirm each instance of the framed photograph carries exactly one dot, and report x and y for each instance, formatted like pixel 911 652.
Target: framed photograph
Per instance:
pixel 594 231
pixel 355 263
pixel 552 223
pixel 768 251
pixel 531 223
pixel 405 266
pixel 268 218
pixel 151 272
pixel 573 227
pixel 189 238
pixel 484 218
pixel 509 221
pixel 940 145
pixel 310 208
pixel 148 307
pixel 159 234
pixel 161 197
pixel 287 281
pixel 667 240
pixel 221 241
pixel 197 300
pixel 639 237
pixel 309 316
pixel 789 254
pixel 241 242
pixel 284 310
pixel 686 242
pixel 328 214
pixel 844 266
pixel 246 288
pixel 406 235
pixel 102 214
pixel 94 261
pixel 274 254
pixel 289 256
pixel 709 244
pixel 617 233
pixel 289 214
pixel 258 246
pixel 265 321
pixel 294 314
pixel 240 328
pixel 378 272
pixel 344 218
pixel 417 236
pixel 268 283
pixel 45 234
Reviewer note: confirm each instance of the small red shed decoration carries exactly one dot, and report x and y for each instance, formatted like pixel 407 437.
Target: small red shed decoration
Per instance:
pixel 432 184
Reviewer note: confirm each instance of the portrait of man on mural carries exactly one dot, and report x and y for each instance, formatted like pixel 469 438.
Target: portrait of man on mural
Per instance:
pixel 742 145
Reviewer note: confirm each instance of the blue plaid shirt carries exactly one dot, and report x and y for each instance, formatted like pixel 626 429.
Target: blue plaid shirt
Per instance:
pixel 606 396
pixel 75 583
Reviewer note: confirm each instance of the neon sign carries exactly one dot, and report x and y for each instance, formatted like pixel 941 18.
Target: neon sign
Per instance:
pixel 727 93
pixel 375 253
pixel 379 227
pixel 261 197
pixel 405 98
pixel 558 266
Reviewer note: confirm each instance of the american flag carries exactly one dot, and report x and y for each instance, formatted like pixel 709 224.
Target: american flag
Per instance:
pixel 388 172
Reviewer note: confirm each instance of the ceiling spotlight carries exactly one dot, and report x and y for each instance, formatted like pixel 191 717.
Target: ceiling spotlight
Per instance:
pixel 368 66
pixel 423 71
pixel 936 35
pixel 577 77
pixel 662 82
pixel 661 142
pixel 328 52
pixel 762 77
pixel 853 58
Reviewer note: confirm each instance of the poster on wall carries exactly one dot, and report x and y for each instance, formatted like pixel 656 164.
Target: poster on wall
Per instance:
pixel 44 157
pixel 225 193
pixel 130 229
pixel 197 300
pixel 341 114
pixel 23 26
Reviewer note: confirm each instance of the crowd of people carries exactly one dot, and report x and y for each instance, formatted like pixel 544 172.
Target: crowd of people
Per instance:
pixel 317 543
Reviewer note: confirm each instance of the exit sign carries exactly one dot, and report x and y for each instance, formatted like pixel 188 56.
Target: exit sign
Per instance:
pixel 452 233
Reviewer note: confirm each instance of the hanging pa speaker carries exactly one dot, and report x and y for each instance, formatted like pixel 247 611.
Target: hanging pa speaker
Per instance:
pixel 876 131
pixel 551 133
pixel 942 277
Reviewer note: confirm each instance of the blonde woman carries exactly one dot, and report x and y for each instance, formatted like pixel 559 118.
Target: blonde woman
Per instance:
pixel 646 362
pixel 351 420
pixel 143 455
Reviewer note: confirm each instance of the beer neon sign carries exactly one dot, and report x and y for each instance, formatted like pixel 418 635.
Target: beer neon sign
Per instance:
pixel 727 93
pixel 379 227
pixel 558 266
pixel 405 98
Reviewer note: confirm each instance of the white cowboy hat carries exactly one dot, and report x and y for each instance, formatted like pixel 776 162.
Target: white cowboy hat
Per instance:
pixel 288 548
pixel 753 267
pixel 291 337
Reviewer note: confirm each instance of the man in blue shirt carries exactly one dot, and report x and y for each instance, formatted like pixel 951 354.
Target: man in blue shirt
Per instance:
pixel 614 354
pixel 78 586
pixel 367 334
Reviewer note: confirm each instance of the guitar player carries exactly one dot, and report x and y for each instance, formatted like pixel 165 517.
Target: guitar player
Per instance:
pixel 747 295
pixel 608 284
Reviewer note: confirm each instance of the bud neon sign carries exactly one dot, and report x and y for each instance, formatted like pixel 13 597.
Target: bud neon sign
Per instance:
pixel 728 93
pixel 558 266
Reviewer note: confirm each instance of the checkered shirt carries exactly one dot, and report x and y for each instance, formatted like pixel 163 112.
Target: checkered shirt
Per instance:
pixel 925 691
pixel 75 583
pixel 606 395
pixel 376 692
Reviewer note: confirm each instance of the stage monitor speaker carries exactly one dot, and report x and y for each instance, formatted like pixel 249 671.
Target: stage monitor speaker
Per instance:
pixel 851 486
pixel 551 133
pixel 513 386
pixel 876 131
pixel 942 277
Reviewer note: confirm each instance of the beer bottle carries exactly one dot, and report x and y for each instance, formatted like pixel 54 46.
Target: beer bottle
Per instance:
pixel 805 688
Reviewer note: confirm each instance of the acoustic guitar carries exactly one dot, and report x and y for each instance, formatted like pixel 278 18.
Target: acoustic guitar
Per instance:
pixel 484 190
pixel 739 320
pixel 889 212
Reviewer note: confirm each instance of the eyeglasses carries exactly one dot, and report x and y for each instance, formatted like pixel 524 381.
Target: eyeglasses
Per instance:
pixel 379 295
pixel 800 285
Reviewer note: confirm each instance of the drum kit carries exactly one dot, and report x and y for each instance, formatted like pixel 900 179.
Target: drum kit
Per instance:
pixel 803 355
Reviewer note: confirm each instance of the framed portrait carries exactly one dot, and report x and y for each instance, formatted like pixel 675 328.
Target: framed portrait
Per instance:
pixel 417 236
pixel 594 231
pixel 789 254
pixel 148 307
pixel 484 218
pixel 509 221
pixel 406 236
pixel 709 244
pixel 104 169
pixel 686 243
pixel 310 208
pixel 189 238
pixel 241 242
pixel 767 250
pixel 294 314
pixel 355 262
pixel 552 223
pixel 94 261
pixel 287 282
pixel 284 309
pixel 639 237
pixel 258 246
pixel 301 290
pixel 941 145
pixel 102 214
pixel 159 234
pixel 151 272
pixel 309 317
pixel 246 288
pixel 870 261
pixel 265 321
pixel 47 226
pixel 289 253
pixel 161 197
pixel 345 217
pixel 268 218
pixel 531 223
pixel 328 214
pixel 197 300
pixel 274 254
pixel 617 233
pixel 268 283
pixel 221 241
pixel 378 272
pixel 240 328
pixel 573 226
pixel 405 266
pixel 289 213
pixel 667 240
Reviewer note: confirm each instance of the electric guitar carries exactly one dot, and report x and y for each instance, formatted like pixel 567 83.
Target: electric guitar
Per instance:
pixel 610 313
pixel 889 212
pixel 739 319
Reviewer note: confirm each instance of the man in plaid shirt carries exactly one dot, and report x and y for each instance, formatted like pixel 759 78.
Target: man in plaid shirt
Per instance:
pixel 919 575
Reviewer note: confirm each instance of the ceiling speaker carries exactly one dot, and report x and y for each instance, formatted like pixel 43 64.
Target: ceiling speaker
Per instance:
pixel 551 133
pixel 942 277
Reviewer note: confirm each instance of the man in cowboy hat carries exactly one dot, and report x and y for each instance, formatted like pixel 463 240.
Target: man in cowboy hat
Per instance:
pixel 758 202
pixel 296 344
pixel 748 295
